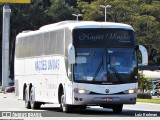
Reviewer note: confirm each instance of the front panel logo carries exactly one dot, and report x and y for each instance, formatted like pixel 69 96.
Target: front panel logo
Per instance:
pixel 107 90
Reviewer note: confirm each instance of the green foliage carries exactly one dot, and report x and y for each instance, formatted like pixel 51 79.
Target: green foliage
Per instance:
pixel 142 82
pixel 144 96
pixel 91 11
pixel 60 10
pixel 143 15
pixel 155 101
pixel 27 17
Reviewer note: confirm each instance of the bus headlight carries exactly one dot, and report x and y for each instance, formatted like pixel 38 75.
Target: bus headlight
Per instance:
pixel 130 91
pixel 81 91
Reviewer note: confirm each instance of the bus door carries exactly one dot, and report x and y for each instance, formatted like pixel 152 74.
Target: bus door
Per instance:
pixel 69 84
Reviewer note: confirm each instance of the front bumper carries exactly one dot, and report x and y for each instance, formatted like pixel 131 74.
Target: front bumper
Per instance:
pixel 87 99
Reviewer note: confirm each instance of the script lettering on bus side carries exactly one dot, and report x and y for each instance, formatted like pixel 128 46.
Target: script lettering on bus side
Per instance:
pixel 123 38
pixel 51 64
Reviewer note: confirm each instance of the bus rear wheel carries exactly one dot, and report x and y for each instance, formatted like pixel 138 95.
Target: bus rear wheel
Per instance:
pixel 26 99
pixel 65 108
pixel 33 103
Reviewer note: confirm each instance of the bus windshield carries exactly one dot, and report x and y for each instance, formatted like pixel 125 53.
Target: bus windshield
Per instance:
pixel 112 65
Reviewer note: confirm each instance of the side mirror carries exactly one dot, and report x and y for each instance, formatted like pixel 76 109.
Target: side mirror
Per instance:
pixel 71 54
pixel 144 53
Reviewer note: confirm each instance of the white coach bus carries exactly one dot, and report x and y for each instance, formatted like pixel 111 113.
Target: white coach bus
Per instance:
pixel 70 63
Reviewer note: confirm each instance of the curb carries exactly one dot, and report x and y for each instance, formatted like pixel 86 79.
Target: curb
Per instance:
pixel 148 103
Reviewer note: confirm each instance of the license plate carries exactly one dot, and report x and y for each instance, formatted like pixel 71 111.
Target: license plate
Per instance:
pixel 108 99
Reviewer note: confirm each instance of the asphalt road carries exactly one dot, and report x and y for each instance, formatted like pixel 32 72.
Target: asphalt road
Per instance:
pixel 10 103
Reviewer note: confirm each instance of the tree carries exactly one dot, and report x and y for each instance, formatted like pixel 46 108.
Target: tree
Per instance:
pixel 143 82
pixel 60 10
pixel 143 15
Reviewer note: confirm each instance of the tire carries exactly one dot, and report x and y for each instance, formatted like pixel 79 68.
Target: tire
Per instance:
pixel 118 108
pixel 26 99
pixel 65 108
pixel 33 103
pixel 82 107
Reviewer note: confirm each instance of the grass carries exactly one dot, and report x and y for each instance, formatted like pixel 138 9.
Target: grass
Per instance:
pixel 1 91
pixel 156 101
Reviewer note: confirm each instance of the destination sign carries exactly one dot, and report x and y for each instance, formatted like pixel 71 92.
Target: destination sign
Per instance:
pixel 103 37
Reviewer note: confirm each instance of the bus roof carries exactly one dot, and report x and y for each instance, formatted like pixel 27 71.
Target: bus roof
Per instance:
pixel 85 24
pixel 75 24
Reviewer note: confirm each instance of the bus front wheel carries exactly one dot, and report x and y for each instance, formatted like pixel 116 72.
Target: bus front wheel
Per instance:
pixel 65 108
pixel 118 108
pixel 33 103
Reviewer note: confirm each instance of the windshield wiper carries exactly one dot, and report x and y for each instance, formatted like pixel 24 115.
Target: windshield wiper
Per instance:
pixel 97 71
pixel 114 70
